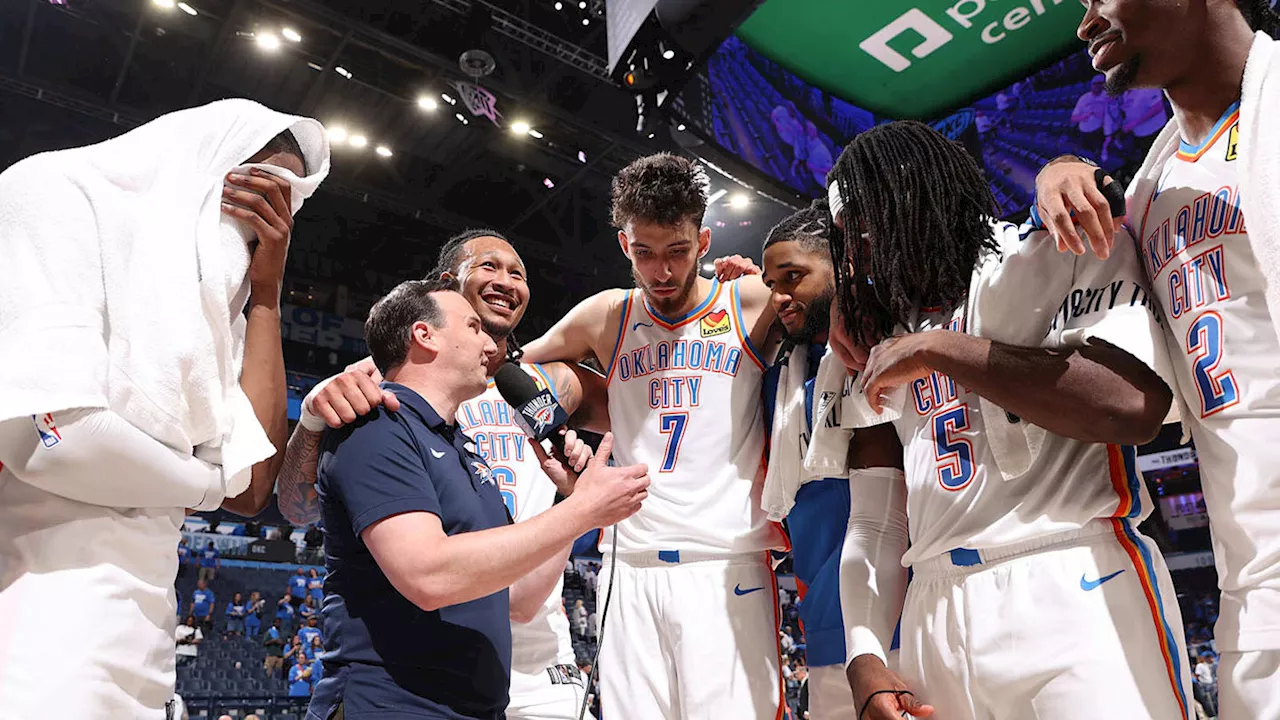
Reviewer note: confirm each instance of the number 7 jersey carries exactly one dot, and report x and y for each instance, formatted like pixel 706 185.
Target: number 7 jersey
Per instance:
pixel 684 398
pixel 1195 248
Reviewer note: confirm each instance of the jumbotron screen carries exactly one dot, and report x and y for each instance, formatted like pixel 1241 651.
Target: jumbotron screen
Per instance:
pixel 753 108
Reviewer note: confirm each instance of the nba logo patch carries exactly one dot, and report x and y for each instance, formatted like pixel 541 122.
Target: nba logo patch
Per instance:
pixel 48 430
pixel 716 323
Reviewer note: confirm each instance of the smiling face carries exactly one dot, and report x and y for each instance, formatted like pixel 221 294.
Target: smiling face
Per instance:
pixel 1142 43
pixel 493 279
pixel 802 286
pixel 664 261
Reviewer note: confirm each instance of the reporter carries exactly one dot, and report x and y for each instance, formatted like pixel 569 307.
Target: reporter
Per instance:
pixel 419 547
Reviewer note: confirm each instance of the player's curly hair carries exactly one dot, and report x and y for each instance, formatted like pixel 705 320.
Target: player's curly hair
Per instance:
pixel 926 212
pixel 809 228
pixel 1261 16
pixel 663 189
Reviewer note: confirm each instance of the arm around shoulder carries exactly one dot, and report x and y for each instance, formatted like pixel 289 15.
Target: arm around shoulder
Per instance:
pixel 582 331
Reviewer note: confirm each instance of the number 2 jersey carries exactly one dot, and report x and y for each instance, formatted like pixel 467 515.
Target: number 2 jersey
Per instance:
pixel 487 420
pixel 1195 248
pixel 1029 295
pixel 684 398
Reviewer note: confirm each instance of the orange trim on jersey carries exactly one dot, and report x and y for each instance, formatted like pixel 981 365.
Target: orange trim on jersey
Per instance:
pixel 777 637
pixel 743 338
pixel 545 380
pixel 689 316
pixel 1119 480
pixel 1223 126
pixel 622 331
pixel 1150 590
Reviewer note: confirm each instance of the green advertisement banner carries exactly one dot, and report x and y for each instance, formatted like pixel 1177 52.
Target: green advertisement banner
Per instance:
pixel 913 58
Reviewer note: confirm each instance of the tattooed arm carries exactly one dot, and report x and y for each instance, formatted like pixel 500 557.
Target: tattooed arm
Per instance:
pixel 581 392
pixel 296 482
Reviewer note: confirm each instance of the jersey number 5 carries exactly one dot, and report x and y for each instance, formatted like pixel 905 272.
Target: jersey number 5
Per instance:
pixel 954 455
pixel 673 426
pixel 1217 388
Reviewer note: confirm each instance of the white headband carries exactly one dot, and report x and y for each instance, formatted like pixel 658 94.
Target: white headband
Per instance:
pixel 834 201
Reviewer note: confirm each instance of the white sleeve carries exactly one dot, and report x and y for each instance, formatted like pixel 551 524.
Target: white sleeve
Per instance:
pixel 873 582
pixel 1109 300
pixel 95 456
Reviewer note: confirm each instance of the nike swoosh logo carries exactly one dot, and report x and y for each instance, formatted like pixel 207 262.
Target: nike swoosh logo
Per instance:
pixel 436 453
pixel 639 325
pixel 737 590
pixel 1087 585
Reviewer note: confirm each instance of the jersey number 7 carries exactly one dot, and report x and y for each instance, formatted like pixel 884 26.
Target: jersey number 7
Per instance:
pixel 673 426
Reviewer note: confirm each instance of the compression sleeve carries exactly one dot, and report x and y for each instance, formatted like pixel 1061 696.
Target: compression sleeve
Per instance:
pixel 94 456
pixel 873 582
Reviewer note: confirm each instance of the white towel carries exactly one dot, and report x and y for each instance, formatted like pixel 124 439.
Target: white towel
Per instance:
pixel 839 410
pixel 117 290
pixel 786 462
pixel 1259 152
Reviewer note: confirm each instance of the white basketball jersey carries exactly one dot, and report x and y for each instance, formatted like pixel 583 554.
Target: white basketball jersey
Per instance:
pixel 1227 365
pixel 957 495
pixel 487 420
pixel 685 399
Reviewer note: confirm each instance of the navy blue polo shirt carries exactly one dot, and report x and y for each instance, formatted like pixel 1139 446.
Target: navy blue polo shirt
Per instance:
pixel 384 656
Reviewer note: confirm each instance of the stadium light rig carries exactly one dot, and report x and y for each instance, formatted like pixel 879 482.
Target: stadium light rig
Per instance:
pixel 187 9
pixel 268 41
pixel 291 35
pixel 428 103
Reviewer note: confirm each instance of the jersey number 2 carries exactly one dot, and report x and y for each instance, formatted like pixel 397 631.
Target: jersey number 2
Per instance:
pixel 1217 388
pixel 954 455
pixel 673 426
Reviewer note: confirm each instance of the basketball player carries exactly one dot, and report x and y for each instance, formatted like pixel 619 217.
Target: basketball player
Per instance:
pixel 1022 372
pixel 545 681
pixel 798 273
pixel 1216 283
pixel 692 622
pixel 135 387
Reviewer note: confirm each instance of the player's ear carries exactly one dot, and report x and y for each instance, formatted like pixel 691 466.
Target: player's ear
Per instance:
pixel 704 241
pixel 624 243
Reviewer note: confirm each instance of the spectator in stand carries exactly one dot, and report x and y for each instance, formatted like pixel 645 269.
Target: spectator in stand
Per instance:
pixel 184 557
pixel 298 587
pixel 202 602
pixel 285 611
pixel 315 588
pixel 1089 114
pixel 308 609
pixel 591 627
pixel 300 677
pixel 295 651
pixel 317 670
pixel 787 642
pixel 579 619
pixel 253 614
pixel 274 643
pixel 188 638
pixel 1206 685
pixel 235 616
pixel 310 631
pixel 802 703
pixel 210 561
pixel 313 649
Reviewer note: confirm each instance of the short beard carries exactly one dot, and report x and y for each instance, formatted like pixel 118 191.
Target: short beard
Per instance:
pixel 666 306
pixel 1123 78
pixel 817 319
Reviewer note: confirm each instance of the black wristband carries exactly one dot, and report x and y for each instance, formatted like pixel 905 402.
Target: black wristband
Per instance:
pixel 867 704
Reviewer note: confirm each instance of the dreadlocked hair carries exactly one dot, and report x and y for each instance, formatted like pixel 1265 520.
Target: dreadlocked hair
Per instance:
pixel 662 189
pixel 808 228
pixel 449 262
pixel 1261 16
pixel 917 214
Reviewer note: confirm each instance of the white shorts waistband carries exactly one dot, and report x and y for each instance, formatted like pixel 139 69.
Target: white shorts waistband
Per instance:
pixel 674 558
pixel 965 561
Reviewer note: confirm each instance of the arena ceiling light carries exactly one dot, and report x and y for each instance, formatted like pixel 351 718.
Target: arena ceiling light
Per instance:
pixel 166 4
pixel 586 21
pixel 187 9
pixel 383 151
pixel 548 183
pixel 337 134
pixel 739 200
pixel 268 41
pixel 520 127
pixel 427 102
pixel 291 35
pixel 448 98
pixel 535 134
pixel 358 141
pixel 559 6
pixel 461 119
pixel 343 72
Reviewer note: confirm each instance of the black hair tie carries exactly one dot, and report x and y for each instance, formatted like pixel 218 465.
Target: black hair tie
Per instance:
pixel 870 697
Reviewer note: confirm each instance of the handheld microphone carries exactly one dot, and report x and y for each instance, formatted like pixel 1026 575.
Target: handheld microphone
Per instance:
pixel 537 412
